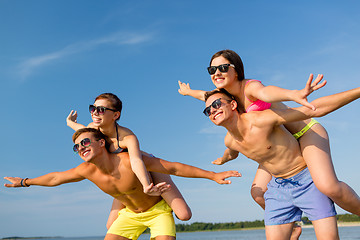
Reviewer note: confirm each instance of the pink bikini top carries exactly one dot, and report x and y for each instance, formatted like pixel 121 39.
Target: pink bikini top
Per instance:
pixel 257 105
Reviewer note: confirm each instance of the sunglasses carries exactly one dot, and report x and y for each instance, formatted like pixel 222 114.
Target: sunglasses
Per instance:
pixel 215 105
pixel 85 143
pixel 222 68
pixel 100 110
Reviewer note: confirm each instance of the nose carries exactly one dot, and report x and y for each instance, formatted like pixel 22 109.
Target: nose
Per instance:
pixel 217 72
pixel 95 112
pixel 81 147
pixel 212 110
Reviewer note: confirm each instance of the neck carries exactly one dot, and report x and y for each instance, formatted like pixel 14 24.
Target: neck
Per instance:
pixel 236 89
pixel 105 161
pixel 234 126
pixel 109 130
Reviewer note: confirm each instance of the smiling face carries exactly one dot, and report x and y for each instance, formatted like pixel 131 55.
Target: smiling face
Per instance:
pixel 90 151
pixel 223 79
pixel 108 118
pixel 221 108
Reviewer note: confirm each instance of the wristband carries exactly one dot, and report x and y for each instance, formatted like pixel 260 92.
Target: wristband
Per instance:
pixel 23 184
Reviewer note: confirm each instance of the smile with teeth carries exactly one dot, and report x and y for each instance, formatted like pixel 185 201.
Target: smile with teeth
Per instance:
pixel 219 79
pixel 85 153
pixel 218 113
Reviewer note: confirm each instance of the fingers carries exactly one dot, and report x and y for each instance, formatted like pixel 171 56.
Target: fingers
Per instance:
pixel 234 174
pixel 313 86
pixel 158 189
pixel 71 113
pixel 15 181
pixel 318 79
pixel 309 105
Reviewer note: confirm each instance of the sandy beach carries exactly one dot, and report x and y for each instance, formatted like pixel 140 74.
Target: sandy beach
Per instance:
pixel 340 224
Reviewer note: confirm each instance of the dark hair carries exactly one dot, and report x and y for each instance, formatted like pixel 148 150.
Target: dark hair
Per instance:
pixel 233 58
pixel 97 134
pixel 115 102
pixel 221 90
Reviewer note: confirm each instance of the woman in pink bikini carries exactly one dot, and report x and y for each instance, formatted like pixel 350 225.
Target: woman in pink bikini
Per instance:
pixel 227 71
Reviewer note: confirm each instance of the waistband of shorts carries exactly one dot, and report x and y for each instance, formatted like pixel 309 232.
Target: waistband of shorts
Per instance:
pixel 159 203
pixel 299 179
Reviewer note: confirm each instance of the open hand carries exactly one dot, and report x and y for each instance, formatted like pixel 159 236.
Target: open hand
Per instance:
pixel 158 189
pixel 220 177
pixel 15 182
pixel 218 161
pixel 184 88
pixel 301 95
pixel 72 117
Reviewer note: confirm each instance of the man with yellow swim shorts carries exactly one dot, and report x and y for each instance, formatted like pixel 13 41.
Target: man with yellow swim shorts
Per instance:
pixel 113 174
pixel 131 225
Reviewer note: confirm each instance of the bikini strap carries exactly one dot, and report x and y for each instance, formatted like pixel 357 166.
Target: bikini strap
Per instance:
pixel 117 136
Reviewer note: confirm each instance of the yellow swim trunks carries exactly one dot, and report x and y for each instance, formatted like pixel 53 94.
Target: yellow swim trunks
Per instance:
pixel 131 225
pixel 305 129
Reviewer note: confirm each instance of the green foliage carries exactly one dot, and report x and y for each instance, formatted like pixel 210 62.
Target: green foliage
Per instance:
pixel 348 218
pixel 200 226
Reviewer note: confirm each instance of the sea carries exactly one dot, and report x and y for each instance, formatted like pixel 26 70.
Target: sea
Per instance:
pixel 346 233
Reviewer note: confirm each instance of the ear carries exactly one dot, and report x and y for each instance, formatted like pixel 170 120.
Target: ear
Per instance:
pixel 102 142
pixel 233 105
pixel 116 115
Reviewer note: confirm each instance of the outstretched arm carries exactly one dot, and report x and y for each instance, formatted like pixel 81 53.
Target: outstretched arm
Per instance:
pixel 48 180
pixel 184 89
pixel 255 90
pixel 138 167
pixel 324 106
pixel 183 170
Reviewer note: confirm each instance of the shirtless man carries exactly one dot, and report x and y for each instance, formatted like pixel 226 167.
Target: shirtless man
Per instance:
pixel 112 173
pixel 261 137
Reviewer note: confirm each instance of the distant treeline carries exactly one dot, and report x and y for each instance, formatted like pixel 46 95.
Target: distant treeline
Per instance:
pixel 201 226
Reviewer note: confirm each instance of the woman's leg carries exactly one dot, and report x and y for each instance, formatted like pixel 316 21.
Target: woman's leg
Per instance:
pixel 259 185
pixel 115 208
pixel 316 152
pixel 326 229
pixel 173 197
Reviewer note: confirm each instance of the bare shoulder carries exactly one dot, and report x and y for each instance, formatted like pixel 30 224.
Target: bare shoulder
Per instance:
pixel 229 140
pixel 91 125
pixel 124 132
pixel 123 157
pixel 85 168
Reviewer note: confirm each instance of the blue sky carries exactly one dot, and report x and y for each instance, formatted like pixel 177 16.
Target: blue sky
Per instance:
pixel 59 55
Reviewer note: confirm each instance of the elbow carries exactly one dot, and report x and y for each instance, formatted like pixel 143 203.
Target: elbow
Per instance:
pixel 184 216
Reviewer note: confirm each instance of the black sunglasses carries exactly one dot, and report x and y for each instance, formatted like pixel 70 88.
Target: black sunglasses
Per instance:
pixel 85 143
pixel 222 68
pixel 215 105
pixel 99 109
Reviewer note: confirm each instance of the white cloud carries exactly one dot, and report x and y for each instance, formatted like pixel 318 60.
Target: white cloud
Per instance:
pixel 27 67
